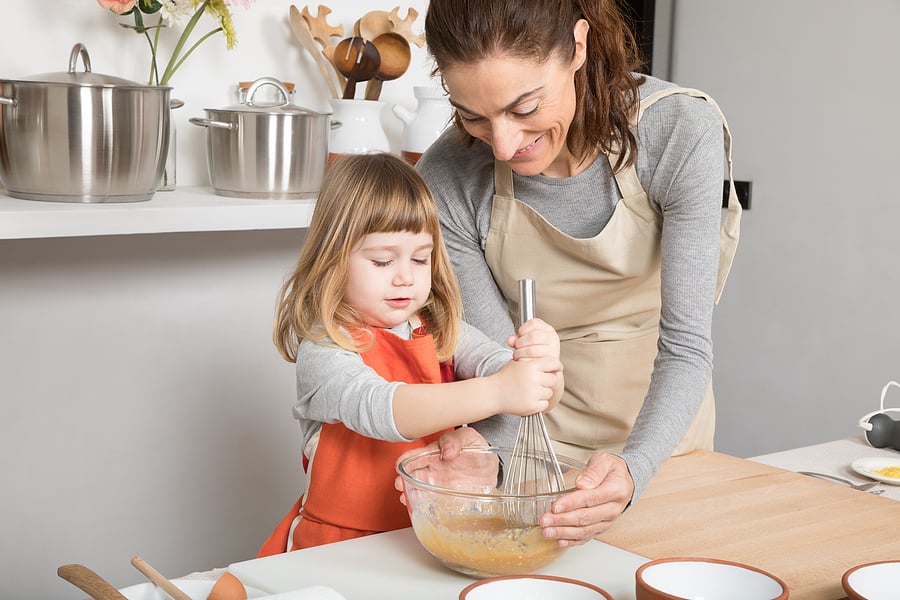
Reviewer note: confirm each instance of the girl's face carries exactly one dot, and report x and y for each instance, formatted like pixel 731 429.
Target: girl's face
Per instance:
pixel 389 277
pixel 522 108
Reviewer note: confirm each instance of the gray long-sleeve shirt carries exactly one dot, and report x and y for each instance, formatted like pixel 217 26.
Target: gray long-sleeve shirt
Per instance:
pixel 680 163
pixel 335 385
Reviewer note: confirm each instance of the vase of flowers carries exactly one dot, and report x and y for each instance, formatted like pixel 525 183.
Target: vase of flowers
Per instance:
pixel 150 18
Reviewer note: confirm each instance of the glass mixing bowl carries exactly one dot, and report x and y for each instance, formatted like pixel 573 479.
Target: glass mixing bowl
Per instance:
pixel 461 514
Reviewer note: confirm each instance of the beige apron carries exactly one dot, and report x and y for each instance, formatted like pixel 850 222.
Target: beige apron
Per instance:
pixel 602 295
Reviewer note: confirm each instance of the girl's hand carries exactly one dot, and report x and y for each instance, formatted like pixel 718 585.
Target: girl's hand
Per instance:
pixel 534 339
pixel 450 444
pixel 605 488
pixel 525 387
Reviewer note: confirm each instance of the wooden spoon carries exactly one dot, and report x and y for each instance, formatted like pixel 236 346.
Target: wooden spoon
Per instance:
pixel 372 24
pixel 358 60
pixel 395 56
pixel 303 35
pixel 404 26
pixel 89 582
pixel 324 33
pixel 156 577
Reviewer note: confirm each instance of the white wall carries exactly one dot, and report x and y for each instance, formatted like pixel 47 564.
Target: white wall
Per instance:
pixel 808 330
pixel 145 410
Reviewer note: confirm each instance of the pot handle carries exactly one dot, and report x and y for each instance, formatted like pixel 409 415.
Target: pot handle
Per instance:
pixel 79 49
pixel 263 81
pixel 173 103
pixel 211 123
pixel 336 125
pixel 8 101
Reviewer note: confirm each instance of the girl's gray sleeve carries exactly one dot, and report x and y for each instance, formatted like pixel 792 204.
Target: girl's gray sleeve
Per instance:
pixel 478 356
pixel 334 385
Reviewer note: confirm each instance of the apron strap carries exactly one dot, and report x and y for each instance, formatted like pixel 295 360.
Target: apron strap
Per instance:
pixel 503 179
pixel 729 233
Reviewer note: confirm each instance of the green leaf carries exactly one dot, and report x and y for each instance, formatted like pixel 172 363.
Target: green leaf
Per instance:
pixel 139 22
pixel 149 7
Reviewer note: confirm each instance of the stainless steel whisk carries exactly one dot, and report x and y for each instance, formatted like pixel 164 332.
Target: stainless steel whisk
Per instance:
pixel 533 470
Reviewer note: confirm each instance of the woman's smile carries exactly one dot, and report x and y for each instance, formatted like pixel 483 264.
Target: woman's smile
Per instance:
pixel 521 108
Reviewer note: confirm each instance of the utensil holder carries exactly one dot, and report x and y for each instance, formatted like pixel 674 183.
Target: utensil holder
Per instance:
pixel 360 130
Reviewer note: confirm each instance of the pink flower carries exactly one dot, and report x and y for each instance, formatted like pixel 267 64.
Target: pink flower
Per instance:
pixel 117 6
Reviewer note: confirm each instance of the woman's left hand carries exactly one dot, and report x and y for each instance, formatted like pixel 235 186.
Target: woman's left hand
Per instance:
pixel 605 488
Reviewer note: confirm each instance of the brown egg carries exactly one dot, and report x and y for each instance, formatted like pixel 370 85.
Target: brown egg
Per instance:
pixel 228 587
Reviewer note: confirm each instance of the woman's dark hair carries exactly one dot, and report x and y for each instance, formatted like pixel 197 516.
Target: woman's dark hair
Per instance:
pixel 461 32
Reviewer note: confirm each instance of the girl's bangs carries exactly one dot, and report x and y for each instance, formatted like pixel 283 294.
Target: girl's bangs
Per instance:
pixel 400 212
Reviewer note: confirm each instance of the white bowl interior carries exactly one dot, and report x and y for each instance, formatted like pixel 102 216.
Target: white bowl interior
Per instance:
pixel 876 582
pixel 197 589
pixel 531 588
pixel 711 581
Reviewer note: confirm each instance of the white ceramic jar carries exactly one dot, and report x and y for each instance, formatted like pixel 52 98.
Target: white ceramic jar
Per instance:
pixel 360 130
pixel 424 125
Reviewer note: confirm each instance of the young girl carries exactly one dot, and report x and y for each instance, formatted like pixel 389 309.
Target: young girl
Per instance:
pixel 372 318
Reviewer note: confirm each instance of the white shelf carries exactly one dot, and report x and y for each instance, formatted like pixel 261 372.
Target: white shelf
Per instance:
pixel 182 210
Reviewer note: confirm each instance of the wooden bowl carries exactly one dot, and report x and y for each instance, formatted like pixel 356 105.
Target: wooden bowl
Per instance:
pixel 707 578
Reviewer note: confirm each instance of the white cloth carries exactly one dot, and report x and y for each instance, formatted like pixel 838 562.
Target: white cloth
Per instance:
pixel 314 592
pixel 832 458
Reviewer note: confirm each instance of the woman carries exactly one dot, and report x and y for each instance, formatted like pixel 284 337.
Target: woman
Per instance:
pixel 604 186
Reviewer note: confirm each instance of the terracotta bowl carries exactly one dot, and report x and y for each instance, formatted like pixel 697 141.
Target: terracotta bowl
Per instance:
pixel 873 581
pixel 462 516
pixel 516 587
pixel 707 578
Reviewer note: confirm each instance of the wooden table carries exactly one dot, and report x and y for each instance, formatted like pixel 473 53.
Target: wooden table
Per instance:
pixel 806 531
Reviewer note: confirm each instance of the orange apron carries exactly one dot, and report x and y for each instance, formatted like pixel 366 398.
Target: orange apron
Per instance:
pixel 351 492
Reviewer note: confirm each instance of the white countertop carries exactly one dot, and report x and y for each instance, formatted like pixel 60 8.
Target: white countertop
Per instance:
pixel 408 571
pixel 186 209
pixel 394 566
pixel 833 458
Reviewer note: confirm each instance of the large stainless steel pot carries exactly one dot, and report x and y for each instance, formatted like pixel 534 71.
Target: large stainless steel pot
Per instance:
pixel 81 136
pixel 266 150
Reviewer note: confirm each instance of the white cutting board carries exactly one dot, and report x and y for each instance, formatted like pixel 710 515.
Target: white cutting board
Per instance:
pixel 394 566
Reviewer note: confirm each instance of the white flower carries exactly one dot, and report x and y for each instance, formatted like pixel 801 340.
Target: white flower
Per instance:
pixel 173 11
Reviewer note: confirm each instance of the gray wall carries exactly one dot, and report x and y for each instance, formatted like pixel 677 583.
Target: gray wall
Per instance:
pixel 807 331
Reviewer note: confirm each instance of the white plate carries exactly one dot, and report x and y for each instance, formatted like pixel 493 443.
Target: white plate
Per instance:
pixel 867 467
pixel 197 589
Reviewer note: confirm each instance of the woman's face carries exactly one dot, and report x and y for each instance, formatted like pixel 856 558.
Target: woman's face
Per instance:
pixel 521 107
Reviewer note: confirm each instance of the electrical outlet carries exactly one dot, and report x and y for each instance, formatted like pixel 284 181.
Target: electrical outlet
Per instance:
pixel 743 193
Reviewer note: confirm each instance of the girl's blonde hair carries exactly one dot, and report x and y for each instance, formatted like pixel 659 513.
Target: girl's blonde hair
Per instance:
pixel 362 194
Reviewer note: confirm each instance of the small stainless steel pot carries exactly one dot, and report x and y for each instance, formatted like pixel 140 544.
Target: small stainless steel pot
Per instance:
pixel 82 137
pixel 266 150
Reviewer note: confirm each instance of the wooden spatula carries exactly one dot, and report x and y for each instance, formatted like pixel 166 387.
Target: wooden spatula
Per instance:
pixel 89 582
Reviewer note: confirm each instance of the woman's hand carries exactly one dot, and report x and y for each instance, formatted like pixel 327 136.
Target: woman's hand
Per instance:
pixel 605 488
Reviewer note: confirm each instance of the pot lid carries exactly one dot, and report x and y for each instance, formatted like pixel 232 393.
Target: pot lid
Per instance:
pixel 284 107
pixel 86 77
